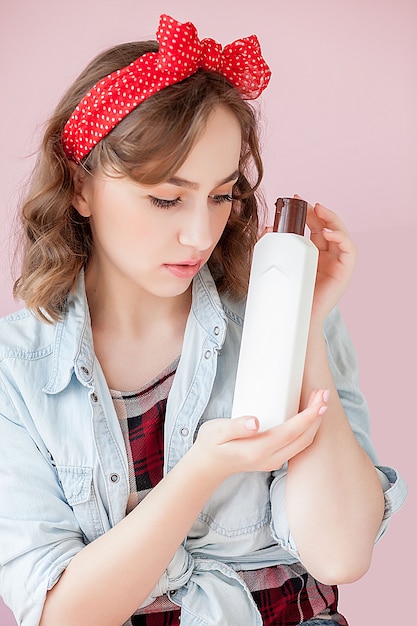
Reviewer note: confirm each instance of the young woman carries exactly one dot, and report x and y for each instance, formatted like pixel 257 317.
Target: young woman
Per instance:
pixel 128 496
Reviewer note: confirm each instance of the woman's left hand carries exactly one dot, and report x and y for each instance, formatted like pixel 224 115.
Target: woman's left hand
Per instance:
pixel 337 257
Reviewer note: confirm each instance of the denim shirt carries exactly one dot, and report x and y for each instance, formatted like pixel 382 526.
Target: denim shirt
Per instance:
pixel 63 464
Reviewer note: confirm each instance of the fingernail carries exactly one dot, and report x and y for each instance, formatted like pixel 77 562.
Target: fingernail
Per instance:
pixel 326 395
pixel 323 409
pixel 251 423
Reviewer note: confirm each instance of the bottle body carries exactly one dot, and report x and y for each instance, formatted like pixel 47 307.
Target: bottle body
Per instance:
pixel 275 332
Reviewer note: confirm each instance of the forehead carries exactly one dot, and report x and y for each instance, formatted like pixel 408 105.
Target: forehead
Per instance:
pixel 216 152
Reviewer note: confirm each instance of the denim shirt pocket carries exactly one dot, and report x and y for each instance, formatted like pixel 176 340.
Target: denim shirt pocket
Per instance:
pixel 78 487
pixel 240 506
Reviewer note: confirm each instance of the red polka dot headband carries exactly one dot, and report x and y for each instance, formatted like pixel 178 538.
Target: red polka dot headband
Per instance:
pixel 180 55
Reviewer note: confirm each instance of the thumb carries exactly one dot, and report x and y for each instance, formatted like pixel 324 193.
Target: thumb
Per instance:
pixel 223 429
pixel 245 426
pixel 251 424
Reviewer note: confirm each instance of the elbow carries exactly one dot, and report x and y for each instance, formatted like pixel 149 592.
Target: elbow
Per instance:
pixel 340 571
pixel 339 566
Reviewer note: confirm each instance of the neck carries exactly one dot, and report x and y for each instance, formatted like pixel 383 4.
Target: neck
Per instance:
pixel 128 323
pixel 116 307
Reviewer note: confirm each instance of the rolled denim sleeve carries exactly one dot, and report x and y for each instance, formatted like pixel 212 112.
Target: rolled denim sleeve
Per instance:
pixel 344 366
pixel 38 532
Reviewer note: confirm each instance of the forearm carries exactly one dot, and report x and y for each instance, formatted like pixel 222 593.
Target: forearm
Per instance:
pixel 334 498
pixel 107 581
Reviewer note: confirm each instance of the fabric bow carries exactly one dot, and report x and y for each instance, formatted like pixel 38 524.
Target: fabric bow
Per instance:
pixel 181 54
pixel 209 592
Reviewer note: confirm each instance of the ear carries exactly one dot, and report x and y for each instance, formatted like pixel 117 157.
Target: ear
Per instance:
pixel 79 199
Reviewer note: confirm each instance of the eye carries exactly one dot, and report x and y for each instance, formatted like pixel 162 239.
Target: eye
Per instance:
pixel 162 203
pixel 219 199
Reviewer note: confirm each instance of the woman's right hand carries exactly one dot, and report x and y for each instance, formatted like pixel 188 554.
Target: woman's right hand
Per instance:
pixel 230 446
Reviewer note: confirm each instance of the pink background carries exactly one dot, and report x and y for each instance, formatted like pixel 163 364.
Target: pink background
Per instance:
pixel 340 128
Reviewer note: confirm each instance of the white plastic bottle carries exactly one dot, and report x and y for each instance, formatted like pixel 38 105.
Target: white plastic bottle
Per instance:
pixel 277 319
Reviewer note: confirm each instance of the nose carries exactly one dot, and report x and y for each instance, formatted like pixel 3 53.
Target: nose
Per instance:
pixel 195 229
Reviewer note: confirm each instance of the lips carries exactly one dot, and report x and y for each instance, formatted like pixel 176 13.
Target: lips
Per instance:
pixel 186 269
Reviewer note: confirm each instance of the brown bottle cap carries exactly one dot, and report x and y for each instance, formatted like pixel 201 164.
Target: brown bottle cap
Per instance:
pixel 290 216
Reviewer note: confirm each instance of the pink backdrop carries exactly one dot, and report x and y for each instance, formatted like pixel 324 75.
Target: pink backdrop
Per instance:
pixel 340 128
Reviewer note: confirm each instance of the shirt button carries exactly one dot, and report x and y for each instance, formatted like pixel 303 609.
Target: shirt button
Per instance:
pixel 114 478
pixel 207 354
pixel 85 370
pixel 94 397
pixel 184 431
pixel 216 330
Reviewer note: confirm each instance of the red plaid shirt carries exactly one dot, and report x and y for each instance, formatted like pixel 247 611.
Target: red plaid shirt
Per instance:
pixel 285 594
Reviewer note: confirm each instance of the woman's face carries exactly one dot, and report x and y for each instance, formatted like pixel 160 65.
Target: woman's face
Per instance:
pixel 155 238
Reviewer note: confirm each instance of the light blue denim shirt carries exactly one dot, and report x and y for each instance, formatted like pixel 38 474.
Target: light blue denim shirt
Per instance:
pixel 63 464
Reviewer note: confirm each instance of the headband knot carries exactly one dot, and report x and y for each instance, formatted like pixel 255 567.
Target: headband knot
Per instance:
pixel 180 54
pixel 211 55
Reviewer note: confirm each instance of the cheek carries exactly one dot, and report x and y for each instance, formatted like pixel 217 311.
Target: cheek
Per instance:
pixel 124 226
pixel 221 220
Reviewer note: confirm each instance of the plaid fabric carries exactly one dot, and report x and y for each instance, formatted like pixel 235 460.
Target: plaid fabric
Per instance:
pixel 141 416
pixel 286 595
pixel 298 599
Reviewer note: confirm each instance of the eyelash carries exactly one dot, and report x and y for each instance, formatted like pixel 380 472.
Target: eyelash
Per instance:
pixel 161 203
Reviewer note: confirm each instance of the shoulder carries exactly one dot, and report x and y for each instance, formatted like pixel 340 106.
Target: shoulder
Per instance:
pixel 23 334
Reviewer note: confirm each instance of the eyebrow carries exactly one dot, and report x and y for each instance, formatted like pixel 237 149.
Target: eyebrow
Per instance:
pixel 181 182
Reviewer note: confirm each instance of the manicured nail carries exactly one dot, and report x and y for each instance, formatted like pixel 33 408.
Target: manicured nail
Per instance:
pixel 323 409
pixel 326 395
pixel 251 423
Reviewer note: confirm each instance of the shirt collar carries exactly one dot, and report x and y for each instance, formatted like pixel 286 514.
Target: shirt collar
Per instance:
pixel 73 350
pixel 207 307
pixel 73 344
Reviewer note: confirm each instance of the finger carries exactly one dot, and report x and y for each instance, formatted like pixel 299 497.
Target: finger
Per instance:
pixel 330 220
pixel 222 430
pixel 296 426
pixel 316 226
pixel 296 439
pixel 341 239
pixel 309 422
pixel 303 441
pixel 318 397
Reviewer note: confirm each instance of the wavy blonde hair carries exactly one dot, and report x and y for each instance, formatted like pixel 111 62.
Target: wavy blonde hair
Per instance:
pixel 149 146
